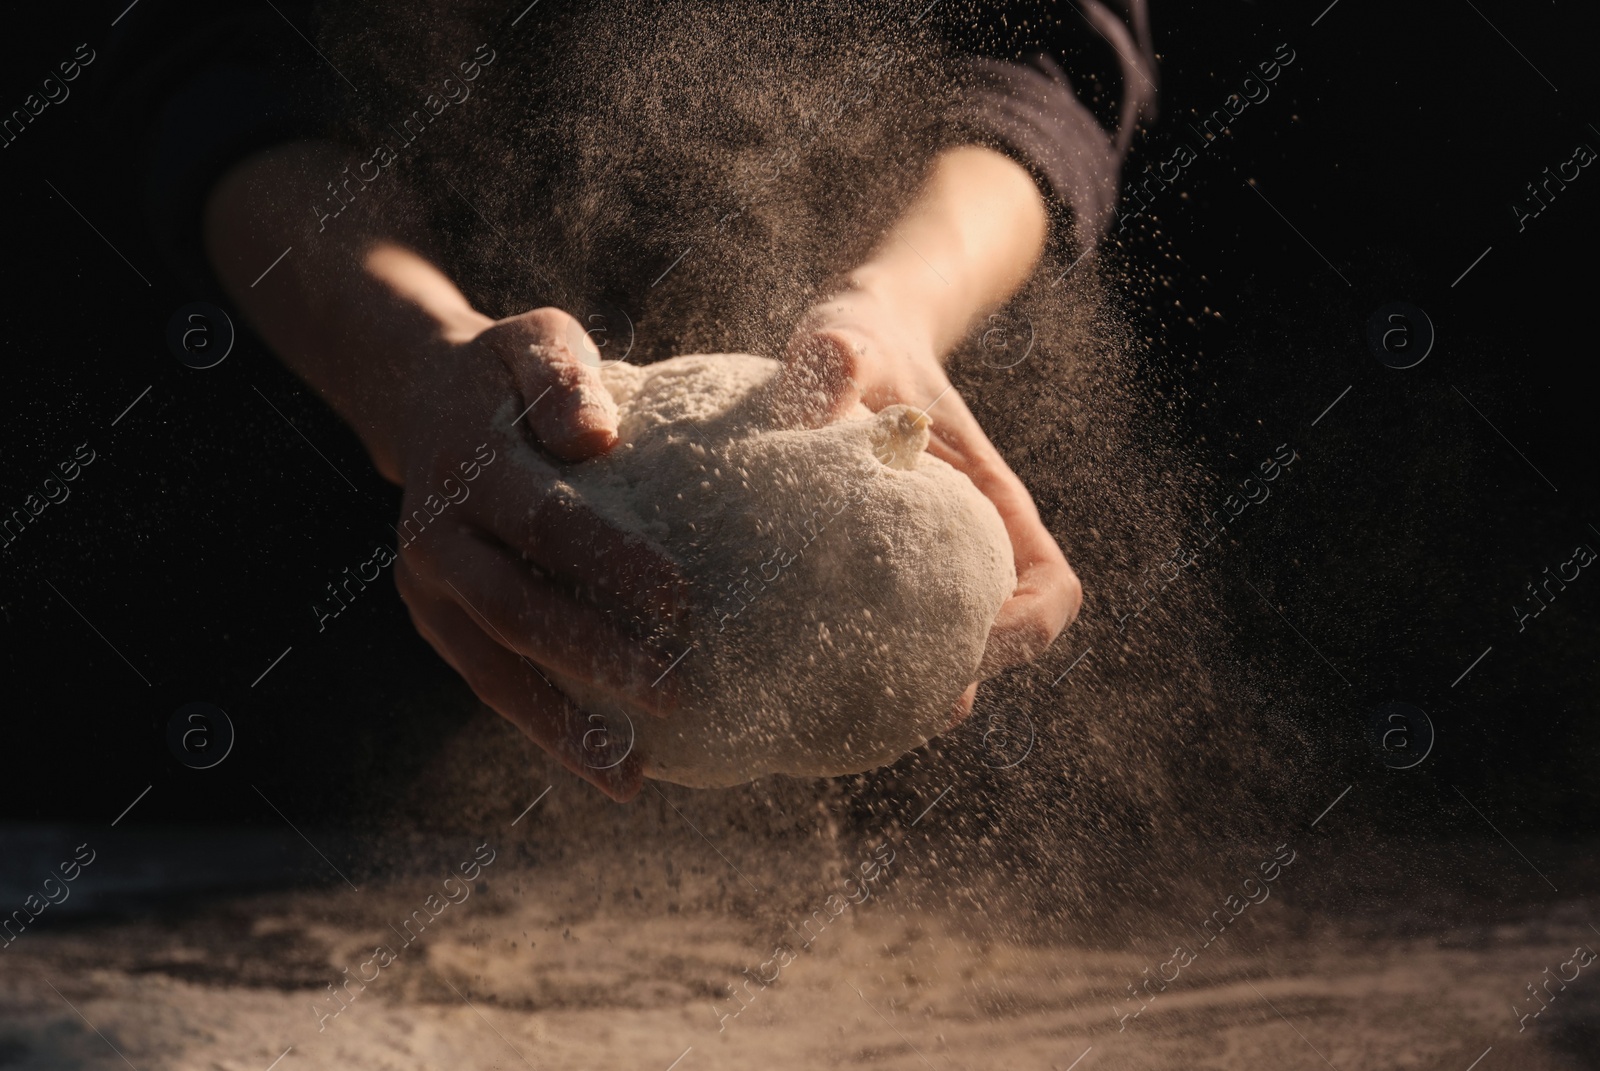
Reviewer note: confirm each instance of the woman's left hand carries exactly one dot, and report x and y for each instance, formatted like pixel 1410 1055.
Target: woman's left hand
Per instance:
pixel 857 347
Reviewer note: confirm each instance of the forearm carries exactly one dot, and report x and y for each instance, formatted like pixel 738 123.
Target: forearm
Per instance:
pixel 352 308
pixel 968 242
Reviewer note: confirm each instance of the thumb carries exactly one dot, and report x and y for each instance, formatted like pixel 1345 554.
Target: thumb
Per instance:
pixel 556 368
pixel 816 383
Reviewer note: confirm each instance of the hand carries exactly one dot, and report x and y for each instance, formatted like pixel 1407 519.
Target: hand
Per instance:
pixel 860 346
pixel 494 559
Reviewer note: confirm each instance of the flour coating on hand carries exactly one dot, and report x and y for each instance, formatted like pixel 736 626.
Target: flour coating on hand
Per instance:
pixel 843 579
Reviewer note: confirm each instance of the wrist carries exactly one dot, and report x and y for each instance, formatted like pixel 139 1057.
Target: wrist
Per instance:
pixel 429 378
pixel 411 330
pixel 457 327
pixel 880 296
pixel 962 250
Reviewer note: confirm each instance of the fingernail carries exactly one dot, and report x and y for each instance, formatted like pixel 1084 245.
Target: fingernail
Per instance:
pixel 582 408
pixel 594 415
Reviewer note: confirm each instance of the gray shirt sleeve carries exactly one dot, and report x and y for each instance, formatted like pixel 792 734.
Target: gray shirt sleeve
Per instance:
pixel 1030 111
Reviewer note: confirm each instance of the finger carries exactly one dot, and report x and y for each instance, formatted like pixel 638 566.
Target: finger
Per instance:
pixel 815 385
pixel 516 691
pixel 1048 594
pixel 1046 600
pixel 1029 622
pixel 520 504
pixel 962 709
pixel 556 367
pixel 534 618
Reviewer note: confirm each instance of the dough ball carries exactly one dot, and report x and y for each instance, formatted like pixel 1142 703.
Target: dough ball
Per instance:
pixel 843 580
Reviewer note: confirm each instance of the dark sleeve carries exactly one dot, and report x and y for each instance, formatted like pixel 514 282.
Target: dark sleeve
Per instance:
pixel 1028 109
pixel 193 88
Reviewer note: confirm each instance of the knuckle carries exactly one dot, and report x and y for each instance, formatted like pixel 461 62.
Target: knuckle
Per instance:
pixel 554 332
pixel 1073 588
pixel 504 335
pixel 1035 634
pixel 548 320
pixel 843 359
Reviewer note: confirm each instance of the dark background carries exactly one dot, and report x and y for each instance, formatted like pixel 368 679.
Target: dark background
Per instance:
pixel 1395 143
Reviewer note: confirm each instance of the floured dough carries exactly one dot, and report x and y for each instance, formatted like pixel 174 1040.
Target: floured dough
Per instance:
pixel 843 579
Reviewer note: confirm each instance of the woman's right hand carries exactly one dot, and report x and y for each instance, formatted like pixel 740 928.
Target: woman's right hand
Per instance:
pixel 504 574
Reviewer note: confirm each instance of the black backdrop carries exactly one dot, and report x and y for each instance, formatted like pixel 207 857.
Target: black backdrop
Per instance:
pixel 189 552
